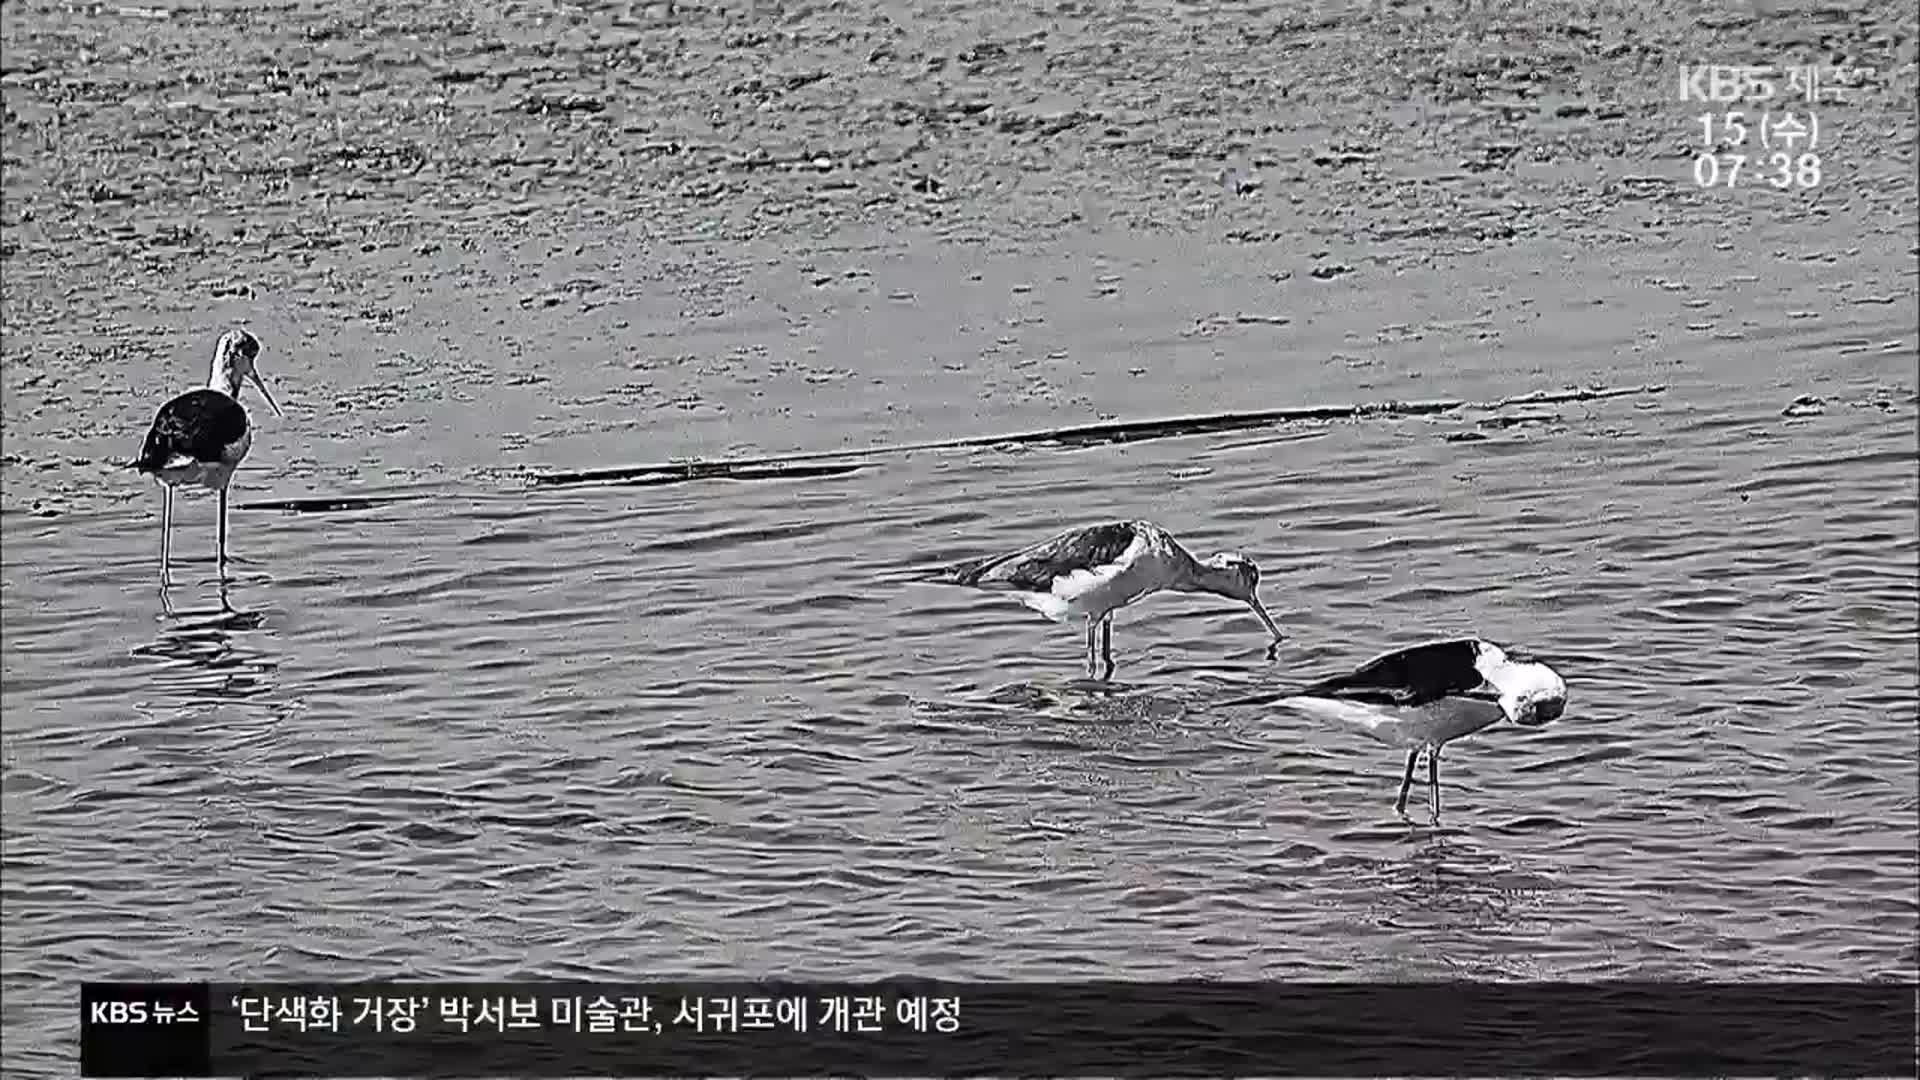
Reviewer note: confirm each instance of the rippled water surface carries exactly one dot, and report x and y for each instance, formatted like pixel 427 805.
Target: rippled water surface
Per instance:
pixel 493 728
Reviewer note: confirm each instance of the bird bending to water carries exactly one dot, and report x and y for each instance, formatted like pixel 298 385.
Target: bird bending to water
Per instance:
pixel 1092 572
pixel 200 437
pixel 1423 697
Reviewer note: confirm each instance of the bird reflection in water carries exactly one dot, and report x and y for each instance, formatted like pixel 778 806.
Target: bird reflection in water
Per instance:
pixel 1445 881
pixel 1075 701
pixel 203 639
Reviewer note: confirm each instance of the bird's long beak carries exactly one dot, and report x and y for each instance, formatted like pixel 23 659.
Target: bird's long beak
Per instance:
pixel 265 393
pixel 1260 610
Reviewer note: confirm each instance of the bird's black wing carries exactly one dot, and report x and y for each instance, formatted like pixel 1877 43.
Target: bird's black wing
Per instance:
pixel 1411 677
pixel 1034 569
pixel 200 424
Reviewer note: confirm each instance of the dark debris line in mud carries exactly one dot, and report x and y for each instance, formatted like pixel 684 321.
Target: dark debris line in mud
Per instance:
pixel 1110 433
pixel 817 465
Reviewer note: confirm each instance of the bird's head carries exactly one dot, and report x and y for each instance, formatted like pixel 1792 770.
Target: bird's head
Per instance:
pixel 1531 693
pixel 1235 576
pixel 233 366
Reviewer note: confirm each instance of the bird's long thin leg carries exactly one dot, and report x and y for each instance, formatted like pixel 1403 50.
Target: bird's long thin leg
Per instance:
pixel 1406 782
pixel 1433 781
pixel 223 533
pixel 1106 643
pixel 166 532
pixel 1092 654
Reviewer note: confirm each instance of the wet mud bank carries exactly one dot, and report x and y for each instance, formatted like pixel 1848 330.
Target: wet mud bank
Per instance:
pixel 486 243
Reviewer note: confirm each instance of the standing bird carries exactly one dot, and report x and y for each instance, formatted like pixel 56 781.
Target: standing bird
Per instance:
pixel 201 436
pixel 1094 571
pixel 1423 697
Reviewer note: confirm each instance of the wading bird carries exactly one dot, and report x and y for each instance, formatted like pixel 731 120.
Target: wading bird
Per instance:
pixel 1423 697
pixel 200 437
pixel 1091 572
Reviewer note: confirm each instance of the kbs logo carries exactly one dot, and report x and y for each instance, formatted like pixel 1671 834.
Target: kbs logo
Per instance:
pixel 118 1012
pixel 1724 83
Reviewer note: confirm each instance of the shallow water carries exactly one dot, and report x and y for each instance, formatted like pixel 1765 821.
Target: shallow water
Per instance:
pixel 493 729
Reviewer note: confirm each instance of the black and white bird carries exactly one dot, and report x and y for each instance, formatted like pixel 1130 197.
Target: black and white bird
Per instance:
pixel 200 437
pixel 1423 697
pixel 1091 572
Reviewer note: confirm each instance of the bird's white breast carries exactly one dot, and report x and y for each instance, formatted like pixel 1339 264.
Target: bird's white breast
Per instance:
pixel 1435 722
pixel 212 475
pixel 1096 590
pixel 183 470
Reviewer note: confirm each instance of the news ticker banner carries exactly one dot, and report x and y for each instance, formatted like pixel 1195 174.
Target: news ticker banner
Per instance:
pixel 918 1028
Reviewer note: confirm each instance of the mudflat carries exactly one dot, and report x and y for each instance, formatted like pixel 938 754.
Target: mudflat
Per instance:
pixel 452 719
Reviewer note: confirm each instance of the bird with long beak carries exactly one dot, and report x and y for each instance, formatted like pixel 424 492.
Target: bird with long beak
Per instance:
pixel 199 438
pixel 1091 572
pixel 1421 698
